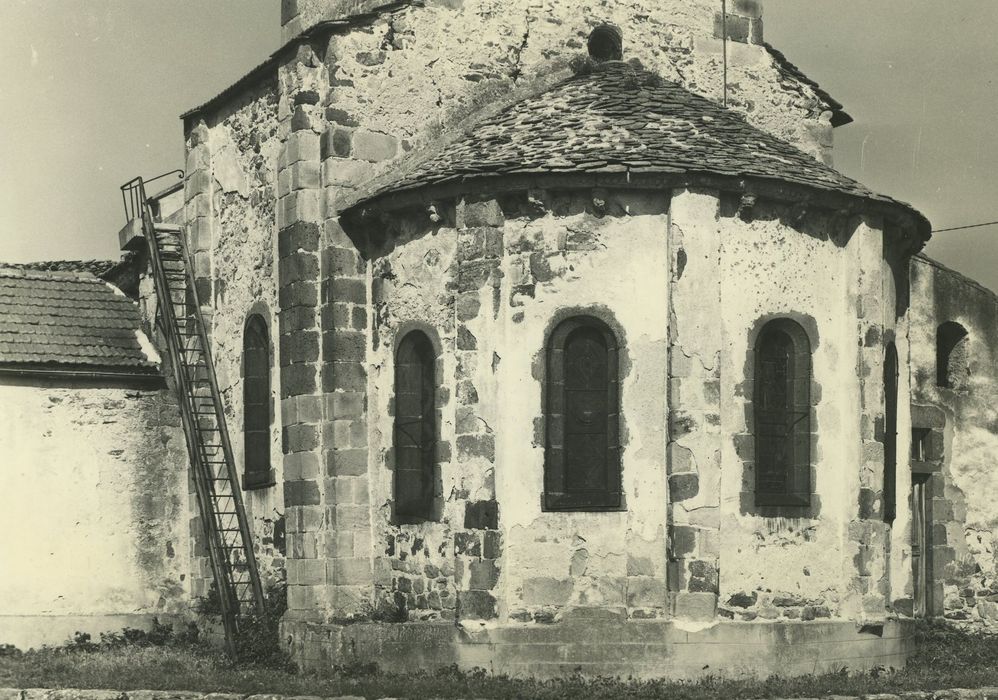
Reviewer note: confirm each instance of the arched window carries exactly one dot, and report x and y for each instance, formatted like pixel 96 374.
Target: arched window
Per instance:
pixel 582 456
pixel 890 432
pixel 256 403
pixel 782 412
pixel 415 426
pixel 952 356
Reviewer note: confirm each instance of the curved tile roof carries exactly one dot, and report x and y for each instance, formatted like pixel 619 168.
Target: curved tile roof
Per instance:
pixel 62 319
pixel 621 119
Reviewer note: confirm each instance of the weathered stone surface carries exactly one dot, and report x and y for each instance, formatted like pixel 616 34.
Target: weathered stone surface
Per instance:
pixel 481 515
pixel 475 605
pixel 467 543
pixel 484 213
pixel 546 591
pixel 484 575
pixel 696 606
pixel 373 147
pixel 743 600
pixel 683 486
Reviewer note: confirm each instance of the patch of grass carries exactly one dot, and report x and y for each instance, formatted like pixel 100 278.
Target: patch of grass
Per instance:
pixel 947 658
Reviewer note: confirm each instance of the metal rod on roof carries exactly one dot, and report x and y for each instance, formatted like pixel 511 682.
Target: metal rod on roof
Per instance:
pixel 724 49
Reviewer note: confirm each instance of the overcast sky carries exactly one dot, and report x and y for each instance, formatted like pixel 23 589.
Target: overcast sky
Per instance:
pixel 91 91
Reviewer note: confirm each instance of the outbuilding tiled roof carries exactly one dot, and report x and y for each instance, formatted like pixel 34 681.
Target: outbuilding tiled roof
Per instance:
pixel 97 268
pixel 621 119
pixel 69 320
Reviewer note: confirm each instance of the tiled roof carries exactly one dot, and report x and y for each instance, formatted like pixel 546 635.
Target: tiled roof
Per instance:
pixel 97 268
pixel 59 319
pixel 624 120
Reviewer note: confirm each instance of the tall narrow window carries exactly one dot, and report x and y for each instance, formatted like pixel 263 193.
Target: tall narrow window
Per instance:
pixel 256 403
pixel 952 356
pixel 782 414
pixel 415 426
pixel 582 456
pixel 890 432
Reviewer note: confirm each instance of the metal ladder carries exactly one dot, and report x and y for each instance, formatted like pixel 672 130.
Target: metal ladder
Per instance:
pixel 216 479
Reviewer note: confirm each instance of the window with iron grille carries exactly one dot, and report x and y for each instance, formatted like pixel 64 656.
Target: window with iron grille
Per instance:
pixel 415 426
pixel 256 403
pixel 582 455
pixel 782 414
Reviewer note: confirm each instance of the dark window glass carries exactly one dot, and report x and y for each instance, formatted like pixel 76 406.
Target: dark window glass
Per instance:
pixel 415 426
pixel 582 456
pixel 952 356
pixel 890 432
pixel 782 413
pixel 256 402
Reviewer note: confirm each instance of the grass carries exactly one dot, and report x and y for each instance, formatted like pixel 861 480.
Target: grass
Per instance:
pixel 946 658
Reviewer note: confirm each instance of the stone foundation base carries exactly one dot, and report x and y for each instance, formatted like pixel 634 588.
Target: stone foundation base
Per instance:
pixel 602 645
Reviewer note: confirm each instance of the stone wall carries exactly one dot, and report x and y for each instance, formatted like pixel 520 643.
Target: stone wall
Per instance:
pixel 342 104
pixel 745 266
pixel 444 61
pixel 489 291
pixel 416 73
pixel 413 288
pixel 580 258
pixel 95 488
pixel 231 194
pixel 961 441
pixel 509 259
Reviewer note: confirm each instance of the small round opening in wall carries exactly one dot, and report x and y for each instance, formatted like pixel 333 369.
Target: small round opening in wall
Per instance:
pixel 606 43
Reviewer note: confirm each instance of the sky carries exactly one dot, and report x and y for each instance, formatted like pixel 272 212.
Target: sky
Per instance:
pixel 91 92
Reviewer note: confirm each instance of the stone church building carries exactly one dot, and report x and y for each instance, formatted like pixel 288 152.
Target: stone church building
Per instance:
pixel 549 340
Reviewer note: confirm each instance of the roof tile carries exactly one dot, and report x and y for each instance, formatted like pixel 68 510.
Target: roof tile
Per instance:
pixel 619 117
pixel 55 317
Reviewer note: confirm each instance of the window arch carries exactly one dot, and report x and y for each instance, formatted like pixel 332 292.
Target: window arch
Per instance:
pixel 952 356
pixel 605 43
pixel 415 432
pixel 782 412
pixel 582 453
pixel 256 403
pixel 890 431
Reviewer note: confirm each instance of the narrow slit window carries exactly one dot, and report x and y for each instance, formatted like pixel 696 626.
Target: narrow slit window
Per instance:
pixel 256 403
pixel 415 426
pixel 582 455
pixel 782 412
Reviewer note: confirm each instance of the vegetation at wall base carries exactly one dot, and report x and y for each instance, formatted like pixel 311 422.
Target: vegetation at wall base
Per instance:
pixel 947 658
